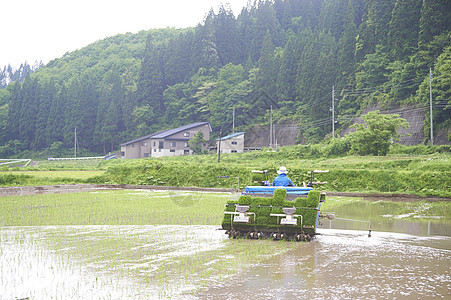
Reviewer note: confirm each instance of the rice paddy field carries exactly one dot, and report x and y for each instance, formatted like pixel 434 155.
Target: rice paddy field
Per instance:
pixel 145 244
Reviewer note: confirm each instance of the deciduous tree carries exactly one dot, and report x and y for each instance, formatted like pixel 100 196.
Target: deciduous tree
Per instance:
pixel 380 131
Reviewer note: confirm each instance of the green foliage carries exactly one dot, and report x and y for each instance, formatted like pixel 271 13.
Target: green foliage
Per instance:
pixel 10 179
pixel 196 142
pixel 281 53
pixel 396 149
pixel 376 137
pixel 421 170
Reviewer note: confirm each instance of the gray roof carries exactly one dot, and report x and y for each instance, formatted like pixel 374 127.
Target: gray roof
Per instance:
pixel 165 133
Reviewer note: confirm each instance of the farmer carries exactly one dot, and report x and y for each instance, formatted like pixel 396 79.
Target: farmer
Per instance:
pixel 282 179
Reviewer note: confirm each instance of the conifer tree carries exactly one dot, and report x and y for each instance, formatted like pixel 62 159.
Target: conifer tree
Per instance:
pixel 403 28
pixel 286 91
pixel 56 120
pixel 14 112
pixel 150 84
pixel 374 28
pixel 29 110
pixel 205 53
pixel 48 93
pixel 435 19
pixel 227 36
pixel 266 76
pixel 346 47
pixel 265 21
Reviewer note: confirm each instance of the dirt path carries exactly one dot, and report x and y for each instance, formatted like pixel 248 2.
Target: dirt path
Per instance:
pixel 76 188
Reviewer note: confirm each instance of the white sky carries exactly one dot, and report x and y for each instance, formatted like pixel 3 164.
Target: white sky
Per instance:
pixel 34 30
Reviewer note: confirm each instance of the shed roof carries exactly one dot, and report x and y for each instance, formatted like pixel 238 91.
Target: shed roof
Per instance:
pixel 231 136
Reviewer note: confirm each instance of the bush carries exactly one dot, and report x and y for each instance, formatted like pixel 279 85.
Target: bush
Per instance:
pixel 418 149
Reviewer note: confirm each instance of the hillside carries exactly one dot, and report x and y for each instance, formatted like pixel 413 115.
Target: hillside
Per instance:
pixel 290 54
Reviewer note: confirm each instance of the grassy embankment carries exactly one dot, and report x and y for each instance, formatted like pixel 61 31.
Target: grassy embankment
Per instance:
pixel 424 175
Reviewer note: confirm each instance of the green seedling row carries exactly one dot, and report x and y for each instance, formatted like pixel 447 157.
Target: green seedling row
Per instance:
pixel 263 207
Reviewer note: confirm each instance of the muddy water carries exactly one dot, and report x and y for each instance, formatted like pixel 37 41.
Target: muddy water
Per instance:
pixel 199 262
pixel 344 264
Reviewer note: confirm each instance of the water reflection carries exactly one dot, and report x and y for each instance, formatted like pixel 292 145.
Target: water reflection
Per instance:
pixel 198 262
pixel 387 216
pixel 349 265
pixel 400 226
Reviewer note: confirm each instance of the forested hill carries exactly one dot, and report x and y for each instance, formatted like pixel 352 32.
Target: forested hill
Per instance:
pixel 284 53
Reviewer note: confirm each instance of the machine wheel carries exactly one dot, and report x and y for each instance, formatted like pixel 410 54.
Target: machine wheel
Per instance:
pixel 234 234
pixel 277 236
pixel 300 237
pixel 253 235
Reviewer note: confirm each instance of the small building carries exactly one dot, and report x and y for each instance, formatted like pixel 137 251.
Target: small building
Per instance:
pixel 172 142
pixel 232 143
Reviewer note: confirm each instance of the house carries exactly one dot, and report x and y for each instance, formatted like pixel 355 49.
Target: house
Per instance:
pixel 232 143
pixel 170 142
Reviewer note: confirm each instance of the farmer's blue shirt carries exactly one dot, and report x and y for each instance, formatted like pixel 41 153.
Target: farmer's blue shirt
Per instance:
pixel 282 180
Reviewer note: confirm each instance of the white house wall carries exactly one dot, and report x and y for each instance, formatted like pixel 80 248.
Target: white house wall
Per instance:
pixel 227 145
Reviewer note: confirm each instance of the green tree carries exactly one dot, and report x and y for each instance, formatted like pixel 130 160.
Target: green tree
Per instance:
pixel 346 47
pixel 403 28
pixel 150 84
pixel 14 109
pixel 205 50
pixel 56 119
pixel 230 91
pixel 196 142
pixel 435 16
pixel 227 36
pixel 48 93
pixel 266 75
pixel 376 137
pixel 286 78
pixel 374 28
pixel 265 20
pixel 109 122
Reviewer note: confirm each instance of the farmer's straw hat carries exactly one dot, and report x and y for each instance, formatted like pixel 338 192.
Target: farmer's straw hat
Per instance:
pixel 282 170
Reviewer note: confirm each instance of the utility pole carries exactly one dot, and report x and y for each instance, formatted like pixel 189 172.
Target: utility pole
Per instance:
pixel 333 112
pixel 219 145
pixel 233 121
pixel 430 105
pixel 274 136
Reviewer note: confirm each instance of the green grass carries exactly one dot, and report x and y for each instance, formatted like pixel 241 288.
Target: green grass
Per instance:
pixel 424 175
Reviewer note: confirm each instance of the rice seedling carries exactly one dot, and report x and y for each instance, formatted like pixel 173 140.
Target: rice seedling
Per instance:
pixel 164 242
pixel 128 244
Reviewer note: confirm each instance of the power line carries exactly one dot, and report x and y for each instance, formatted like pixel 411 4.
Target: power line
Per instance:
pixel 383 86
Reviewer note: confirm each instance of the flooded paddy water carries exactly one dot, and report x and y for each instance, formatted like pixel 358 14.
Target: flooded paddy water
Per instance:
pixel 402 259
